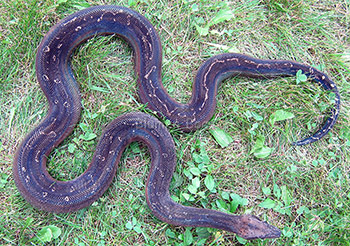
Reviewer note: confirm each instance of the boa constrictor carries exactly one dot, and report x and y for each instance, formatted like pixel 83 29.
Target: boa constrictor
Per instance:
pixel 62 92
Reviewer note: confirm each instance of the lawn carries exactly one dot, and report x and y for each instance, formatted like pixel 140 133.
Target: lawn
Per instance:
pixel 302 190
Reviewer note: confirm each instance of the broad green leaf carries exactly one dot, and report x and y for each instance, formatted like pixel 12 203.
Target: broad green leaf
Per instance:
pixel 195 171
pixel 203 31
pixel 254 127
pixel 188 238
pixel 279 208
pixel 131 3
pixel 188 174
pixel 259 143
pixel 129 225
pixel 277 191
pixel 3 179
pixel 259 149
pixel 241 240
pixel 221 137
pixel 242 201
pixel 202 194
pixel 266 191
pixel 56 231
pixel 263 152
pixel 186 196
pixel 138 229
pixel 209 182
pixel 71 148
pixel 194 7
pixel 201 157
pixel 292 168
pixel 167 122
pixel 268 203
pixel 280 115
pixel 45 235
pixel 300 77
pixel 303 209
pixel 196 182
pixel 202 241
pixel 225 195
pixel 248 114
pixel 236 201
pixel 48 233
pixel 257 116
pixel 170 233
pixel 176 181
pixel 221 16
pixel 76 141
pixel 84 127
pixel 221 205
pixel 88 136
pixel 202 232
pixel 192 189
pixel 286 196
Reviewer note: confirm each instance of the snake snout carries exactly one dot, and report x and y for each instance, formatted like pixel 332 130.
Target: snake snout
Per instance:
pixel 251 227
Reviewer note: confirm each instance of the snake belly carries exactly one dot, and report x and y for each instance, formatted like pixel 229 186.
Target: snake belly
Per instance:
pixel 62 92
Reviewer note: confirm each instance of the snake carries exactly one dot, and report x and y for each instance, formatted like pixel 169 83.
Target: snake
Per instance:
pixel 56 79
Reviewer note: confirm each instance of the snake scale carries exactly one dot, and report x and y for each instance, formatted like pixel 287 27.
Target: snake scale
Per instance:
pixel 62 92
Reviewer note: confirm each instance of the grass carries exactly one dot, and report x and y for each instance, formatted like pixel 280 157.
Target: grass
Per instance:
pixel 302 190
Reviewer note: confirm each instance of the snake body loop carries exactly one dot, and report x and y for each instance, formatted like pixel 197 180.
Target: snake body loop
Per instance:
pixel 62 92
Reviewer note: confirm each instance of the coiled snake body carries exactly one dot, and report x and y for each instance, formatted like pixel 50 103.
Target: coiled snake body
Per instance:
pixel 57 82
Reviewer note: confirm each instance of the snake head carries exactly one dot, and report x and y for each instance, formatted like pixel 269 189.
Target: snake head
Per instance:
pixel 251 227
